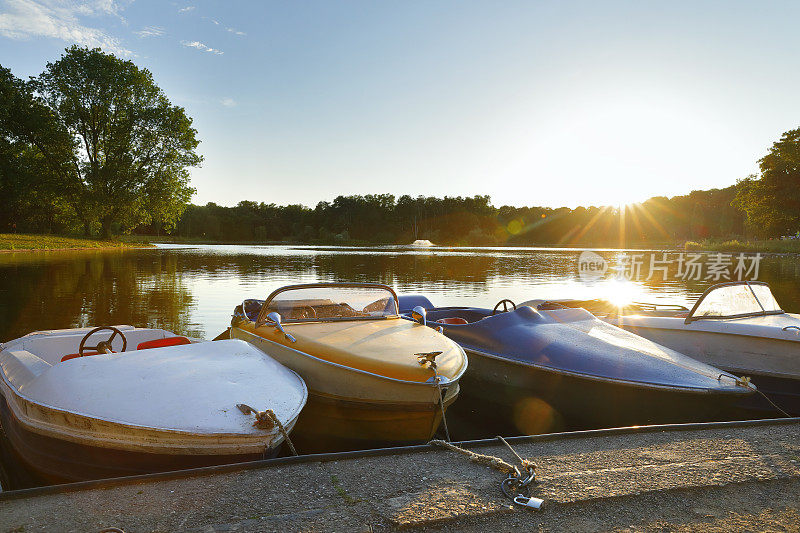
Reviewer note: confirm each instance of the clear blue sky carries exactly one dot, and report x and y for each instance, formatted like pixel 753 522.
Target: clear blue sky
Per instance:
pixel 533 103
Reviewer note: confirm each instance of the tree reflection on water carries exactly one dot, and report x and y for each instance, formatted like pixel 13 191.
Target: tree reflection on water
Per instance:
pixel 192 291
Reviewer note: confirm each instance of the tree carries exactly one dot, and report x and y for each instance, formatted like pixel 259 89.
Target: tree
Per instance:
pixel 772 202
pixel 35 154
pixel 133 146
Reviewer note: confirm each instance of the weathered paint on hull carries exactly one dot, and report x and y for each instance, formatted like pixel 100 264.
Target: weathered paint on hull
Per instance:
pixel 329 424
pixel 49 460
pixel 528 397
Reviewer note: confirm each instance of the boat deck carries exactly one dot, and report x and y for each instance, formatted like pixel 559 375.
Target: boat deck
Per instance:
pixel 727 476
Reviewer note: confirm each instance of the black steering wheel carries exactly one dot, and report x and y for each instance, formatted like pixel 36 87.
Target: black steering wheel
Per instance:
pixel 505 302
pixel 102 346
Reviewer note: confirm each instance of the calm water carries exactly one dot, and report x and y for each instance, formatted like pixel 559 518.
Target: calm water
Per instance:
pixel 192 290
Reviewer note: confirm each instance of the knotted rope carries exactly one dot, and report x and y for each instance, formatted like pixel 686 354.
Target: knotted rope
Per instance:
pixel 266 419
pixel 486 460
pixel 517 479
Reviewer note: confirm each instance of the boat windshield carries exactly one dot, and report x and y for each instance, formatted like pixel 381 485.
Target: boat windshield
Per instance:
pixel 332 302
pixel 736 300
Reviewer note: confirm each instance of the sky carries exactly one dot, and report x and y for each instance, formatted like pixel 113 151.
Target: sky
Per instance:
pixel 532 103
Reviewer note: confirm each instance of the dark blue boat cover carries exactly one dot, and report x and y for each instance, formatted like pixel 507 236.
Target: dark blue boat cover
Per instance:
pixel 574 341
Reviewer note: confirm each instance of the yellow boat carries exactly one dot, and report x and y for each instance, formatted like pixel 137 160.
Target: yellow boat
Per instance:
pixel 373 377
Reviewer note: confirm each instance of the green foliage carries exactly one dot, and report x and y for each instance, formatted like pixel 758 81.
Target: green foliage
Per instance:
pixel 132 145
pixel 772 201
pixel 92 143
pixel 348 219
pixel 34 158
pixel 380 219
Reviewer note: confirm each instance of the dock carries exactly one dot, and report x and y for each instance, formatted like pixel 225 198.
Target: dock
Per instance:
pixel 710 477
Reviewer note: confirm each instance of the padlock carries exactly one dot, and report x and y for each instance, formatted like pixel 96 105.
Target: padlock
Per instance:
pixel 535 503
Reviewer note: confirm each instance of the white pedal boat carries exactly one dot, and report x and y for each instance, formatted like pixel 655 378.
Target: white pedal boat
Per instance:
pixel 163 403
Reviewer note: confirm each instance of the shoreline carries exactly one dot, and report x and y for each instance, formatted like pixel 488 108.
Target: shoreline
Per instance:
pixel 27 243
pixel 643 247
pixel 77 249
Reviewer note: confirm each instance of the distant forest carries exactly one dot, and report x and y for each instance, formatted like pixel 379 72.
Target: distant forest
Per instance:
pixel 382 218
pixel 763 206
pixel 93 146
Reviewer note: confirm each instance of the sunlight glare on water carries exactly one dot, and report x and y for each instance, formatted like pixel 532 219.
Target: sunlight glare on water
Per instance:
pixel 193 289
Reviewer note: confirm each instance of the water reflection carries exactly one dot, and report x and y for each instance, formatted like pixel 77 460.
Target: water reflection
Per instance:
pixel 192 290
pixel 76 289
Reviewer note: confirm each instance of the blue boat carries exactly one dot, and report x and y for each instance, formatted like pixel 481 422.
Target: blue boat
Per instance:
pixel 554 366
pixel 737 326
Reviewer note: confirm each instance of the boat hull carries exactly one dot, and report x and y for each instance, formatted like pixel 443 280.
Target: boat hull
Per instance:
pixel 349 409
pixel 763 359
pixel 530 399
pixel 49 460
pixel 336 424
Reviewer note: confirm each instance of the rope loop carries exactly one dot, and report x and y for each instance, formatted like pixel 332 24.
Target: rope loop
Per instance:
pixel 267 419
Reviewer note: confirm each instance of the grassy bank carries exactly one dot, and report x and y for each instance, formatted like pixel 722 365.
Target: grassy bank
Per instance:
pixel 772 246
pixel 26 242
pixel 134 240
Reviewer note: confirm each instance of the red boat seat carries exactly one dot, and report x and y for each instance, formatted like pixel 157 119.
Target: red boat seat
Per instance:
pixel 74 355
pixel 161 343
pixel 453 320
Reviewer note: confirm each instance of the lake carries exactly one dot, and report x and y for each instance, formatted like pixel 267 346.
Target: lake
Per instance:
pixel 192 290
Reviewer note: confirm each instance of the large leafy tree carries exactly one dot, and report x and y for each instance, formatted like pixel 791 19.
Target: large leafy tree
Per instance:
pixel 772 201
pixel 133 147
pixel 35 157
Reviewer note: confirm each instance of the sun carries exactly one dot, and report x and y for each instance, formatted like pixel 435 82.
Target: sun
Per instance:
pixel 624 205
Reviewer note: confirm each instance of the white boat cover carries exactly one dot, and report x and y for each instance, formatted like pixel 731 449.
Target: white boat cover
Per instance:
pixel 191 388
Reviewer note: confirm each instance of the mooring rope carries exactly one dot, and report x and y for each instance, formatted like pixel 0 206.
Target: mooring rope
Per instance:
pixel 479 458
pixel 745 382
pixel 429 359
pixel 441 403
pixel 517 479
pixel 266 419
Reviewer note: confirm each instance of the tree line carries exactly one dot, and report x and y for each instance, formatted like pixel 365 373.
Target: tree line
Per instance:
pixel 470 221
pixel 93 146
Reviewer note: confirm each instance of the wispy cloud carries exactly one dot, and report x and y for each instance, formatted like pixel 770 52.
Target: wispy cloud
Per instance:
pixel 25 19
pixel 201 46
pixel 228 102
pixel 95 7
pixel 186 9
pixel 235 31
pixel 150 31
